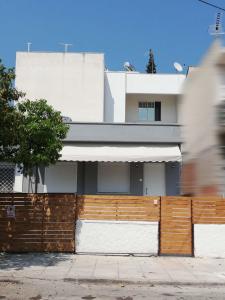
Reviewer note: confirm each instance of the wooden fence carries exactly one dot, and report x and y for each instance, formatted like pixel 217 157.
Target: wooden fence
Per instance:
pixel 118 208
pixel 208 210
pixel 176 215
pixel 37 223
pixel 46 222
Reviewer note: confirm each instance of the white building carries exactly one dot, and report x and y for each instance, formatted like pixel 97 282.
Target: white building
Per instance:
pixel 124 135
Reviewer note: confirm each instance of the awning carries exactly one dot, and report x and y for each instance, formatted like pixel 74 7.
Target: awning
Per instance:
pixel 120 153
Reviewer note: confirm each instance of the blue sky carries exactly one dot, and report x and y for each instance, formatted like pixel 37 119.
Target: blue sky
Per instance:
pixel 176 30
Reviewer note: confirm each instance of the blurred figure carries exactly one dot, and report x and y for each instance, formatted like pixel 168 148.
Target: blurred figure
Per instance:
pixel 202 114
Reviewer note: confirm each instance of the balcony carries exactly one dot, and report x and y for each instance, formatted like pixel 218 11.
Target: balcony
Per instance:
pixel 124 133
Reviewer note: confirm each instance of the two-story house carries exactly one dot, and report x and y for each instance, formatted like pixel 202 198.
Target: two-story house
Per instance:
pixel 124 134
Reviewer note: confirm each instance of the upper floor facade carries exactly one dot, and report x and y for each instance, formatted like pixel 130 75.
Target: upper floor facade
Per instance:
pixel 78 85
pixel 132 97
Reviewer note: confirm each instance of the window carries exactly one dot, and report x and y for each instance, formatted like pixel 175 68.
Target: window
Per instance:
pixel 149 111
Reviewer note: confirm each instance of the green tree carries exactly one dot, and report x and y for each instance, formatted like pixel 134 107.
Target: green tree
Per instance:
pixel 40 134
pixel 9 117
pixel 151 66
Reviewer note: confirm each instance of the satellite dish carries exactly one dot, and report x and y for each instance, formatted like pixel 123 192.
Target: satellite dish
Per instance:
pixel 128 67
pixel 178 67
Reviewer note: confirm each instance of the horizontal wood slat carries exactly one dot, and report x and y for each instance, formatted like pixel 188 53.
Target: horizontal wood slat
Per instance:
pixel 175 226
pixel 208 210
pixel 43 222
pixel 120 208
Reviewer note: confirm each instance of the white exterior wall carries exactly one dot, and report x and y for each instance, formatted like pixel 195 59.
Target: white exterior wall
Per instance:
pixel 168 107
pixel 18 183
pixel 209 240
pixel 72 83
pixel 76 84
pixel 154 83
pixel 61 178
pixel 123 86
pixel 117 237
pixel 115 96
pixel 113 177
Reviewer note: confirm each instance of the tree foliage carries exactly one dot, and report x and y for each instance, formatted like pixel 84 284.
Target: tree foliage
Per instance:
pixel 151 66
pixel 40 132
pixel 9 117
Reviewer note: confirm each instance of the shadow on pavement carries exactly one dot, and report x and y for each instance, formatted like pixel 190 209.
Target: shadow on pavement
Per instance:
pixel 25 260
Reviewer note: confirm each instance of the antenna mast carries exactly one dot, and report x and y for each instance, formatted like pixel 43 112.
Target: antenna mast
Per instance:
pixel 216 29
pixel 66 46
pixel 28 46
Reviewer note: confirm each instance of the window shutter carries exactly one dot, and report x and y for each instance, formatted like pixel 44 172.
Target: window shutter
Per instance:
pixel 157 111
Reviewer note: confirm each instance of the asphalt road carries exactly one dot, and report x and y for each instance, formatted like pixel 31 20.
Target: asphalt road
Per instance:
pixel 36 289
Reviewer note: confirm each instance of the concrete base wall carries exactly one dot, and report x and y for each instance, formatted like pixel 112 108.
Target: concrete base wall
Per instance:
pixel 117 237
pixel 209 240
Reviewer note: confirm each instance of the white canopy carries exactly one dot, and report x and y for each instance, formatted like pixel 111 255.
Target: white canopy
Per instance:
pixel 120 153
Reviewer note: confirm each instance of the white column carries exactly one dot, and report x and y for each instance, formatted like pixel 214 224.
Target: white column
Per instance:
pixel 18 183
pixel 115 97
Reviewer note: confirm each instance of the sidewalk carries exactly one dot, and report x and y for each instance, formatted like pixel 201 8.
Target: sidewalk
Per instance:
pixel 113 269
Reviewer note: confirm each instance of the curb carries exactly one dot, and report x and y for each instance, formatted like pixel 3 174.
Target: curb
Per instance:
pixel 142 282
pixel 104 281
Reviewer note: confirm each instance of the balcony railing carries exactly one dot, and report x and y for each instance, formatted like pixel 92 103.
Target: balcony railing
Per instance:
pixel 124 133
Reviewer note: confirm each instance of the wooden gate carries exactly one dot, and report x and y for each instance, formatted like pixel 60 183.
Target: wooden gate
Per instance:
pixel 37 223
pixel 176 226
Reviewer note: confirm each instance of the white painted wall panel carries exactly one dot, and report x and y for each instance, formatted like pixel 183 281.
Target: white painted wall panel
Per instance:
pixel 209 240
pixel 113 177
pixel 61 178
pixel 115 96
pixel 154 83
pixel 18 183
pixel 117 237
pixel 72 83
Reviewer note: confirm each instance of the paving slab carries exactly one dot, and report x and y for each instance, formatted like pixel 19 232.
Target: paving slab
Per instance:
pixel 94 268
